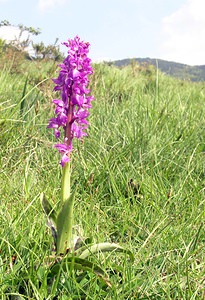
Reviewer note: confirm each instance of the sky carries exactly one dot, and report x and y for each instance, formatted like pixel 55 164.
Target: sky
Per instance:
pixel 173 30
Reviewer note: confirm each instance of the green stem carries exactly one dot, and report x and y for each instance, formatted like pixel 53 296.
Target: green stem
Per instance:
pixel 65 188
pixel 65 215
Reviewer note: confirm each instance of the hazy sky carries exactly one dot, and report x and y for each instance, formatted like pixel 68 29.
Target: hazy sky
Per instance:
pixel 117 29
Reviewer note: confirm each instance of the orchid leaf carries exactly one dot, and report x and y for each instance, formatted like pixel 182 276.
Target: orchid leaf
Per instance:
pixel 80 265
pixel 104 247
pixel 64 225
pixel 51 215
pixel 48 209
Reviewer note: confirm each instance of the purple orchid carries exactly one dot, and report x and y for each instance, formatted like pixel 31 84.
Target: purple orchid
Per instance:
pixel 72 109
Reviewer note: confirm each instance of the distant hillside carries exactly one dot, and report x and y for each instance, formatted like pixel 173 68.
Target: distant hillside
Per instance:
pixel 181 71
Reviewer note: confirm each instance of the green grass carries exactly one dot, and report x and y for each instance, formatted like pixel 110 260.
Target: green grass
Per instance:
pixel 143 125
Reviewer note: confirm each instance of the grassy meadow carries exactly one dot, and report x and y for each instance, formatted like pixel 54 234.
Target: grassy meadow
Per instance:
pixel 140 177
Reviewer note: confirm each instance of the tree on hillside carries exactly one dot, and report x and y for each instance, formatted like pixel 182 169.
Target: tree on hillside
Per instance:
pixel 51 51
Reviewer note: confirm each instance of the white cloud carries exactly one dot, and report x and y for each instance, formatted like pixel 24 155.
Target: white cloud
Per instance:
pixel 183 34
pixel 10 33
pixel 44 5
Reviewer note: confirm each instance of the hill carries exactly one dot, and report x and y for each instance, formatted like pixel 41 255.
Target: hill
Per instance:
pixel 178 70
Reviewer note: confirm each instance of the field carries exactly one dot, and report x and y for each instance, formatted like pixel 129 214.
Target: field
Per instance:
pixel 140 177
